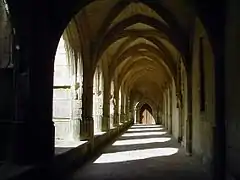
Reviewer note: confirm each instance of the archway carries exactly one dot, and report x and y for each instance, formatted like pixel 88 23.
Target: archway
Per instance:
pixel 44 60
pixel 146 115
pixel 67 92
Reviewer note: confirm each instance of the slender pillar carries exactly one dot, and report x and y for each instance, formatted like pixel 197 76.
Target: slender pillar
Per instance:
pixel 122 116
pixel 76 114
pixel 86 125
pixel 159 121
pixel 167 108
pixel 170 107
pixel 76 104
pixel 128 113
pixel 116 106
pixel 189 117
pixel 164 109
pixel 106 106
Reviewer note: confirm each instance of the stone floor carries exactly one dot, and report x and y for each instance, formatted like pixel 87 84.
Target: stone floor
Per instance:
pixel 64 146
pixel 143 152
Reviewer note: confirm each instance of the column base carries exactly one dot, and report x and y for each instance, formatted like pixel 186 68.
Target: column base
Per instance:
pixel 116 120
pixel 122 118
pixel 76 119
pixel 75 129
pixel 86 129
pixel 32 143
pixel 188 148
pixel 105 123
pixel 5 129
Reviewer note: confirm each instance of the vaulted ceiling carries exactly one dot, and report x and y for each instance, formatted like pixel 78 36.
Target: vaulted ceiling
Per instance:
pixel 137 40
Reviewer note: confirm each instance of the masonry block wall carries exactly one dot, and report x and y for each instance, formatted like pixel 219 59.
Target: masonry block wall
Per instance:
pixel 232 87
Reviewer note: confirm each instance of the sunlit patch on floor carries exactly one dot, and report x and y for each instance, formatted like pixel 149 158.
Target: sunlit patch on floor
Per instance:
pixel 144 129
pixel 135 155
pixel 146 126
pixel 140 141
pixel 143 134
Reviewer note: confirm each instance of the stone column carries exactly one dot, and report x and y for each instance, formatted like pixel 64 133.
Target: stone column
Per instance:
pixel 86 125
pixel 116 106
pixel 106 107
pixel 138 115
pixel 164 110
pixel 76 105
pixel 167 109
pixel 127 110
pixel 122 116
pixel 159 120
pixel 189 117
pixel 33 131
pixel 170 104
pixel 6 111
pixel 180 109
pixel 76 114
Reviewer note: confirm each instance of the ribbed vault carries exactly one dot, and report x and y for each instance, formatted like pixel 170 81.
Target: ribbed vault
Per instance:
pixel 140 46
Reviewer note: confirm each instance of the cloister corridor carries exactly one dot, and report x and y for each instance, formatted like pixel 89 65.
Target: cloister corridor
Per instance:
pixel 119 89
pixel 143 152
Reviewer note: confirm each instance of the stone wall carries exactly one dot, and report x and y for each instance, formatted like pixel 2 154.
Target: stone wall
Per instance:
pixel 203 116
pixel 70 160
pixel 62 94
pixel 175 112
pixel 232 87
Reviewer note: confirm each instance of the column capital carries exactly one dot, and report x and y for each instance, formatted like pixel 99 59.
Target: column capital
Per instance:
pixel 87 118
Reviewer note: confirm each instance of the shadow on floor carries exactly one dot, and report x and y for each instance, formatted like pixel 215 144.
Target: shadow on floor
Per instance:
pixel 143 156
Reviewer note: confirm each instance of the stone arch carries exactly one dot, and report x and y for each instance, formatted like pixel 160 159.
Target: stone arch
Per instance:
pixel 146 115
pixel 127 68
pixel 132 78
pixel 6 36
pixel 139 105
pixel 157 7
pixel 152 51
pixel 148 35
pixel 148 21
pixel 37 71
